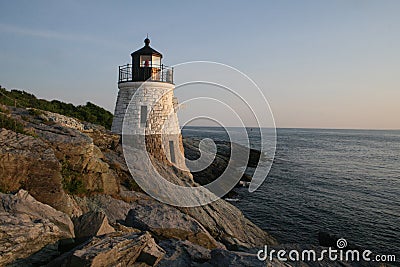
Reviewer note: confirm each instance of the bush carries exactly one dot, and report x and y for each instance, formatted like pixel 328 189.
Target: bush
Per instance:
pixel 131 185
pixel 35 112
pixel 72 184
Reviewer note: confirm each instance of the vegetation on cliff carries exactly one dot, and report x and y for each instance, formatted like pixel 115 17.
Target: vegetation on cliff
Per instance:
pixel 89 112
pixel 71 180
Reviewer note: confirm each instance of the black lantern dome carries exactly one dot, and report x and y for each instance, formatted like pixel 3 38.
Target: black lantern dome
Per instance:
pixel 146 50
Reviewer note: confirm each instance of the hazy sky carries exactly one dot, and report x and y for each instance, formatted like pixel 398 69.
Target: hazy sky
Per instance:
pixel 322 64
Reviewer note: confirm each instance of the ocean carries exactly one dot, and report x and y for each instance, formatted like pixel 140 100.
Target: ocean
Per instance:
pixel 345 182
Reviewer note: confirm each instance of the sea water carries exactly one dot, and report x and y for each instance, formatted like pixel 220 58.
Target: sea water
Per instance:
pixel 345 182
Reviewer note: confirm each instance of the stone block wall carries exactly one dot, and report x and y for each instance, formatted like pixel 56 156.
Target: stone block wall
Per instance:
pixel 161 127
pixel 159 99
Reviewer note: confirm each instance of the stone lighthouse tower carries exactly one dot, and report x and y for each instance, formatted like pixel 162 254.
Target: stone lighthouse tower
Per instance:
pixel 146 106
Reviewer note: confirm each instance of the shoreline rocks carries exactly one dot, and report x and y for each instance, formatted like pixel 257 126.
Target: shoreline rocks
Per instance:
pixel 221 160
pixel 27 226
pixel 73 206
pixel 91 224
pixel 83 174
pixel 35 234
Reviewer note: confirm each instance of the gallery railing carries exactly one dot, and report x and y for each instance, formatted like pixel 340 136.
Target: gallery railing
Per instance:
pixel 158 73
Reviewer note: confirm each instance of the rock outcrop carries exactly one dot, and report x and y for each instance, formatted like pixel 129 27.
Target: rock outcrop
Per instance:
pixel 227 224
pixel 221 160
pixel 116 210
pixel 82 173
pixel 210 225
pixel 80 157
pixel 35 234
pixel 27 226
pixel 91 224
pixel 114 250
pixel 58 158
pixel 224 221
pixel 62 120
pixel 30 163
pixel 167 222
pixel 183 253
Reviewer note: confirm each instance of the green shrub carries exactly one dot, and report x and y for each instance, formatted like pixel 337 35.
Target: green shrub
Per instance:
pixel 131 185
pixel 72 184
pixel 35 112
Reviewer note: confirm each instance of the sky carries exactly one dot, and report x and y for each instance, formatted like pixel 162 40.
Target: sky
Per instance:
pixel 320 64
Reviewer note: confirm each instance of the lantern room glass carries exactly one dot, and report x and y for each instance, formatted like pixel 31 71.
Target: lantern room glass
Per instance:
pixel 150 61
pixel 156 61
pixel 145 61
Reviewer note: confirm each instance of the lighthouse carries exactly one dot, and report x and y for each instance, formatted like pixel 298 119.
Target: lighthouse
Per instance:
pixel 146 106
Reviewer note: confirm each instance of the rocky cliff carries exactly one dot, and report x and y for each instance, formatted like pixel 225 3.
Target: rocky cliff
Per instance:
pixel 77 169
pixel 69 200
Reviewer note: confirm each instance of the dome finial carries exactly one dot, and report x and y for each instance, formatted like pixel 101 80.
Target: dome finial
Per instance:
pixel 147 40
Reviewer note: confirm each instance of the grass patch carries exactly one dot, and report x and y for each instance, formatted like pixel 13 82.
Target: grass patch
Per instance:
pixel 72 184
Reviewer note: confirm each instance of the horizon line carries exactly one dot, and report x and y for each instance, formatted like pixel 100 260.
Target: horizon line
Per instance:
pixel 303 128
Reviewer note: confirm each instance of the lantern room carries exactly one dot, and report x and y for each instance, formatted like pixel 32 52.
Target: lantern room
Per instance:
pixel 146 66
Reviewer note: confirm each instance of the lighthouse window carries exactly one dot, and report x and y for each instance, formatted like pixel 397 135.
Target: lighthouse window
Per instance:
pixel 143 115
pixel 155 61
pixel 145 61
pixel 172 151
